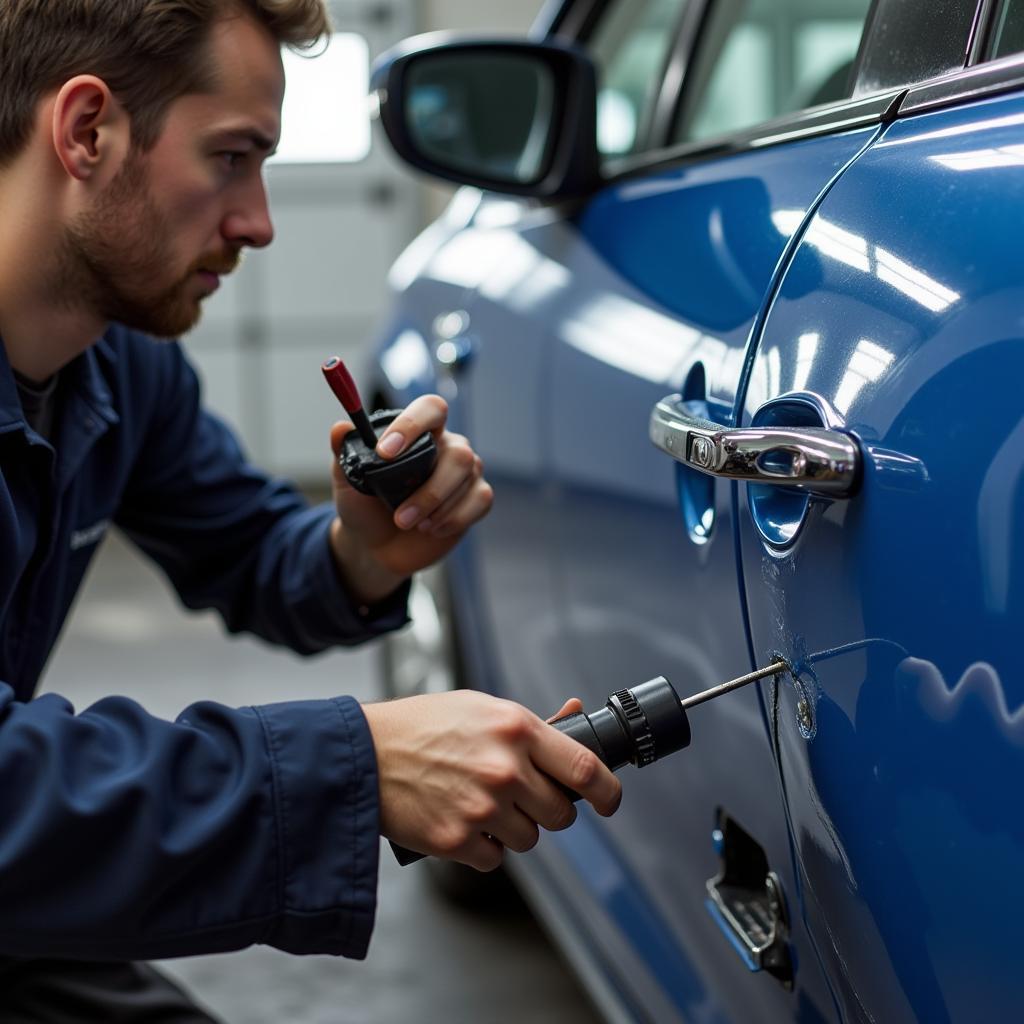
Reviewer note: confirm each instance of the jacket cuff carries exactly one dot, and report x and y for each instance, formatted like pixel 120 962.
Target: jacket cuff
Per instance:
pixel 328 826
pixel 354 621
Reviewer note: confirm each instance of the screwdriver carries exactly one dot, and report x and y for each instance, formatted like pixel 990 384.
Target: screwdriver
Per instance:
pixel 644 723
pixel 392 480
pixel 637 726
pixel 344 387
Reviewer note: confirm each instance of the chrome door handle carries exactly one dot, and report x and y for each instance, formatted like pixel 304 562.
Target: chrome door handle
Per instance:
pixel 814 459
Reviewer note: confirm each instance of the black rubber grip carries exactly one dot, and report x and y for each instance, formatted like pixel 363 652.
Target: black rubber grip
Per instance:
pixel 391 480
pixel 636 726
pixel 581 728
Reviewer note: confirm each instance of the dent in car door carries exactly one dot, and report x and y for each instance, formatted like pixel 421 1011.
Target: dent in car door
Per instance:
pixel 900 744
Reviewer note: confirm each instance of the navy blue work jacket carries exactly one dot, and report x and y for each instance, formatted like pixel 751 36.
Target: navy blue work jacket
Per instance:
pixel 125 836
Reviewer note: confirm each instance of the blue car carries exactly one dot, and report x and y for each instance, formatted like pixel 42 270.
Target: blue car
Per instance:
pixel 732 306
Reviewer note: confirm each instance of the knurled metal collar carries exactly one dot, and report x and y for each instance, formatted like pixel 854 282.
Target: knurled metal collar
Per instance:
pixel 640 730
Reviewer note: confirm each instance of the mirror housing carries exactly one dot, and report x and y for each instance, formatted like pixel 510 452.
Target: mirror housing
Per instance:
pixel 504 115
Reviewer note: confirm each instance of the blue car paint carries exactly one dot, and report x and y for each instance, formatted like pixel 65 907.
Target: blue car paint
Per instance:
pixel 653 277
pixel 671 265
pixel 914 725
pixel 900 607
pixel 598 869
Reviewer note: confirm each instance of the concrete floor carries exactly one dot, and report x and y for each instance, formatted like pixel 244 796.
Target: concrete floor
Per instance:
pixel 429 961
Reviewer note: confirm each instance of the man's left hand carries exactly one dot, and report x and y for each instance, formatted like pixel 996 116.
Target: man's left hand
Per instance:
pixel 376 549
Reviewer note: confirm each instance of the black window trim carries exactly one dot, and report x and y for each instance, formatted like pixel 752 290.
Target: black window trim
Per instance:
pixel 577 20
pixel 805 124
pixel 550 20
pixel 580 28
pixel 687 27
pixel 671 90
pixel 972 83
pixel 983 23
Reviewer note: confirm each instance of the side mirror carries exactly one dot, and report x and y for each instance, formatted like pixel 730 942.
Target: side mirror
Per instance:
pixel 502 115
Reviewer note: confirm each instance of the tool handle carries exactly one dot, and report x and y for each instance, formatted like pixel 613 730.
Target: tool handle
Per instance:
pixel 579 726
pixel 636 726
pixel 344 387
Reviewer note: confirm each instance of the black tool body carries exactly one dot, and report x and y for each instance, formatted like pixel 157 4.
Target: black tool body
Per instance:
pixel 391 480
pixel 636 726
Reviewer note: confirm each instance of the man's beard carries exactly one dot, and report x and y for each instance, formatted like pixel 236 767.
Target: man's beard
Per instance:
pixel 114 260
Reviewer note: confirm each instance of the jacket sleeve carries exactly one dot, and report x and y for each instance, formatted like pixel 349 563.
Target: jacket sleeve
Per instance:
pixel 232 538
pixel 125 836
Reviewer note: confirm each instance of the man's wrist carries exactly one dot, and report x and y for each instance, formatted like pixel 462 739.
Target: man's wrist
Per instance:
pixel 364 577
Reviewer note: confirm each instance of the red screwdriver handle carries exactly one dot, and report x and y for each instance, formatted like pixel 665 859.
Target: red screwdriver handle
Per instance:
pixel 344 387
pixel 342 384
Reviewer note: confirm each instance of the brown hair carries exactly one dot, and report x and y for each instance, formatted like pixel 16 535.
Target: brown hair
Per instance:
pixel 149 52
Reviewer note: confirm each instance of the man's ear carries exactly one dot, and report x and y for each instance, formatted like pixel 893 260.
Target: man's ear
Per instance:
pixel 91 129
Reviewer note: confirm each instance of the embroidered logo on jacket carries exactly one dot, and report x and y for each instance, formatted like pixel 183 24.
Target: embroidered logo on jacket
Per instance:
pixel 90 535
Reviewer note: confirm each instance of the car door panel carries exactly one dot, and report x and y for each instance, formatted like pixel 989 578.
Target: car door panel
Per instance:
pixel 689 258
pixel 586 564
pixel 899 740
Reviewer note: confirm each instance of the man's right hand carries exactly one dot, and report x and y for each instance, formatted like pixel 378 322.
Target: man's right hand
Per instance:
pixel 464 775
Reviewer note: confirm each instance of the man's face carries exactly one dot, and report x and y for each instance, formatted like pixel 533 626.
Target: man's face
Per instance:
pixel 154 244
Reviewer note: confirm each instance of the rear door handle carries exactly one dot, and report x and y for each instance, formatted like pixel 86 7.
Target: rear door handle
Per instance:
pixel 816 460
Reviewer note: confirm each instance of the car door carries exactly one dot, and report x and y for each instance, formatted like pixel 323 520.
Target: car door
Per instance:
pixel 657 282
pixel 898 734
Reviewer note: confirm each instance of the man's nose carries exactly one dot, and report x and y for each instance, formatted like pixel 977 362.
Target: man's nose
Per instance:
pixel 248 221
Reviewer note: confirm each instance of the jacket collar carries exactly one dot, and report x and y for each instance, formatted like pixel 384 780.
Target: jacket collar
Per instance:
pixel 84 374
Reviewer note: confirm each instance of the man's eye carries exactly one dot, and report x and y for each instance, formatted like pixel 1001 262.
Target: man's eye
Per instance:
pixel 232 158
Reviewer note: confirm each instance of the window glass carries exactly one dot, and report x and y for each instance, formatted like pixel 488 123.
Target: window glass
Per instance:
pixel 913 40
pixel 760 59
pixel 326 117
pixel 1008 31
pixel 822 47
pixel 630 47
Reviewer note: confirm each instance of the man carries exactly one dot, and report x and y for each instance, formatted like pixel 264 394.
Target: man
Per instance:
pixel 132 138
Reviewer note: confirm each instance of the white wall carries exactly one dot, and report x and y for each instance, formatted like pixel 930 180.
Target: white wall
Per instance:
pixel 483 15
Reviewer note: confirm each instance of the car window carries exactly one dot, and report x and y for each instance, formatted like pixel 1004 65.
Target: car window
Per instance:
pixel 1008 30
pixel 913 40
pixel 630 46
pixel 760 59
